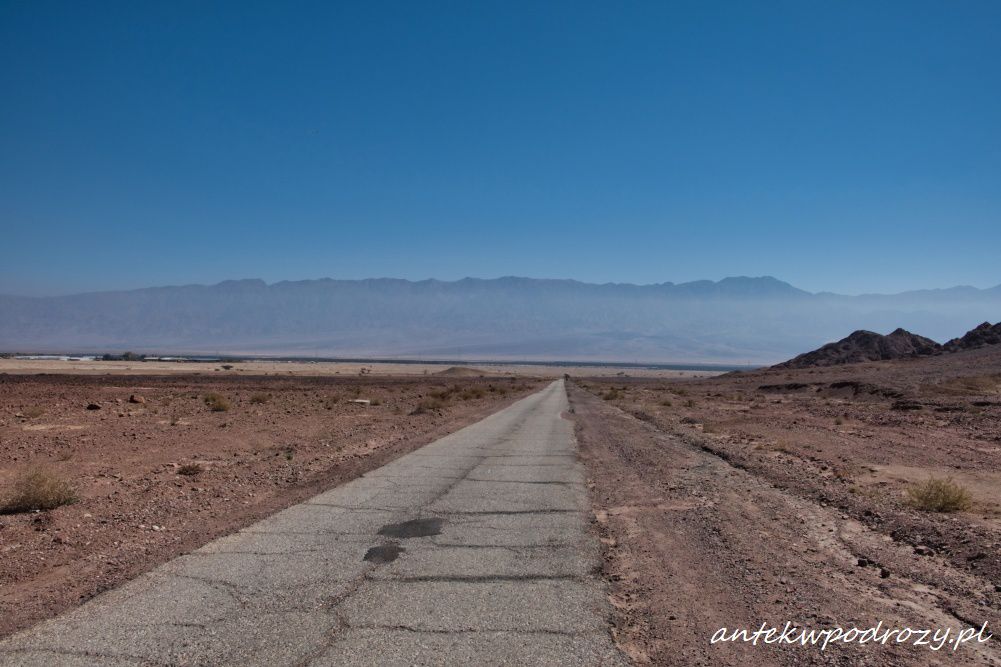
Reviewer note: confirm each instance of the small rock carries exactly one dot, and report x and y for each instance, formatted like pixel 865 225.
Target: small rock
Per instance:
pixel 883 573
pixel 137 399
pixel 93 406
pixel 922 550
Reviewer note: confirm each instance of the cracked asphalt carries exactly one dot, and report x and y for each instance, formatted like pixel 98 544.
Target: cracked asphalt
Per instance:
pixel 472 550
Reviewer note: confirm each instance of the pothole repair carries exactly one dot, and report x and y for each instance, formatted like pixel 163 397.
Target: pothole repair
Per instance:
pixel 412 528
pixel 383 554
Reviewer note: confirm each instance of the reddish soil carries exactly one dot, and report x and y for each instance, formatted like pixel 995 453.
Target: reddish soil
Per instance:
pixel 281 441
pixel 781 495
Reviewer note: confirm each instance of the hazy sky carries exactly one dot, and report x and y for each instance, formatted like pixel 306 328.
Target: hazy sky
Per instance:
pixel 844 146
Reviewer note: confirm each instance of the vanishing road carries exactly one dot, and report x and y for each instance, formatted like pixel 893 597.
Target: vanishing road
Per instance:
pixel 472 550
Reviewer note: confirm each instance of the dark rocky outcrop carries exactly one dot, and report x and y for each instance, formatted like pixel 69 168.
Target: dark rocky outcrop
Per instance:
pixel 981 336
pixel 901 344
pixel 866 346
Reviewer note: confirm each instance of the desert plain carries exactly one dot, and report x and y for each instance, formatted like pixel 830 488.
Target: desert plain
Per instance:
pixel 158 465
pixel 796 495
pixel 728 500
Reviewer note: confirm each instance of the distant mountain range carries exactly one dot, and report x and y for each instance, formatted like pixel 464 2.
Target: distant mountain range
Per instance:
pixel 734 320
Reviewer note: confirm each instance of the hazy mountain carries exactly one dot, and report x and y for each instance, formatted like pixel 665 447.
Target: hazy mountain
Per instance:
pixel 759 320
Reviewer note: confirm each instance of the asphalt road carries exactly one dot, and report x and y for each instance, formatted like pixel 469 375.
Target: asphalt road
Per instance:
pixel 472 550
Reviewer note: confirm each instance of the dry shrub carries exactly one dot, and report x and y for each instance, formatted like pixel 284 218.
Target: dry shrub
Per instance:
pixel 37 489
pixel 612 394
pixel 216 402
pixel 781 445
pixel 257 399
pixel 975 384
pixel 845 473
pixel 190 469
pixel 471 393
pixel 33 412
pixel 427 406
pixel 443 394
pixel 936 494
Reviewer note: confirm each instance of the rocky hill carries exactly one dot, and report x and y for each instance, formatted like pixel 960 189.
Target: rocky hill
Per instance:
pixel 985 334
pixel 866 346
pixel 901 344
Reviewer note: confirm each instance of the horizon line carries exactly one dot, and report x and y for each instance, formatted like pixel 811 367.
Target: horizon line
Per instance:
pixel 667 283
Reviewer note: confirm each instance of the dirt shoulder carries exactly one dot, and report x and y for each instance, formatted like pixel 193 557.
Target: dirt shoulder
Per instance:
pixel 165 474
pixel 697 537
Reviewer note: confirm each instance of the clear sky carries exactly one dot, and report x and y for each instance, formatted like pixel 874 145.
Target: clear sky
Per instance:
pixel 843 146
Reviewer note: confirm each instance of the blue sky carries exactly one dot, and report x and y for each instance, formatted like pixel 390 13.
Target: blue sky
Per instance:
pixel 848 146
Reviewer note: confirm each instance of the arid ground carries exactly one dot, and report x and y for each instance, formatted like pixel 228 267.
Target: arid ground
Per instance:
pixel 729 501
pixel 784 495
pixel 190 458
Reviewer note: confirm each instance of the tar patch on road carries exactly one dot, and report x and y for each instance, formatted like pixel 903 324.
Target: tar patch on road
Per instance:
pixel 384 554
pixel 412 528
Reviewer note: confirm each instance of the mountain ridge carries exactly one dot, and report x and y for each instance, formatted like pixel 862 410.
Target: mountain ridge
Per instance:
pixel 736 319
pixel 728 280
